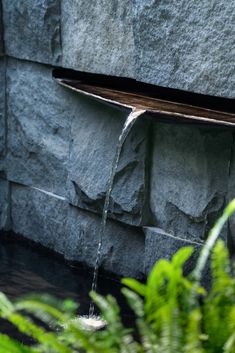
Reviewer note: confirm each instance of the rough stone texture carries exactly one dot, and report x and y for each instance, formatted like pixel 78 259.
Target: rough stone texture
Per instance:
pixel 50 221
pixel 65 143
pixel 118 241
pixel 1 32
pixel 39 121
pixel 190 168
pixel 2 114
pixel 32 30
pixel 159 244
pixel 39 217
pixel 186 44
pixel 4 205
pixel 91 158
pixel 98 37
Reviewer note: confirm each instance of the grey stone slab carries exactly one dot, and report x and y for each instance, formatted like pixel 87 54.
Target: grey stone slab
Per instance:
pixel 4 205
pixel 98 37
pixel 2 114
pixel 40 217
pixel 49 220
pixel 159 245
pixel 118 243
pixel 189 177
pixel 32 30
pixel 186 44
pixel 39 122
pixel 95 139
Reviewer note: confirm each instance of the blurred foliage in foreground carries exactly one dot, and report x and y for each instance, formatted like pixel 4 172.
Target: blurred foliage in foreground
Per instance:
pixel 174 314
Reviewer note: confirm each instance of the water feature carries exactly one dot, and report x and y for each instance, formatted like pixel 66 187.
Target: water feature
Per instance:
pixel 20 273
pixel 28 268
pixel 135 113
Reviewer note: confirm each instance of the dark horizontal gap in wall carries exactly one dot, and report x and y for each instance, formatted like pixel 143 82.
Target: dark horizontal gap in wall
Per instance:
pixel 129 93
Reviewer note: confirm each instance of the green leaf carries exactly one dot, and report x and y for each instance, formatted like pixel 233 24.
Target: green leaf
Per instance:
pixel 135 285
pixel 181 256
pixel 9 345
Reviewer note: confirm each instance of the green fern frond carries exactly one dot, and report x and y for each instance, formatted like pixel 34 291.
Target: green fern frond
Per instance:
pixel 9 345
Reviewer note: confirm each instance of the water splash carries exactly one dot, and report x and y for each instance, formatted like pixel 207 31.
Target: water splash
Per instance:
pixel 90 323
pixel 135 113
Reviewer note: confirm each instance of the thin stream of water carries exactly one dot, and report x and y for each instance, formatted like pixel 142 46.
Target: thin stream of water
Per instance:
pixel 132 117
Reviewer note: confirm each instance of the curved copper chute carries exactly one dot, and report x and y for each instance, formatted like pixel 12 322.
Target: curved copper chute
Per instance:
pixel 163 103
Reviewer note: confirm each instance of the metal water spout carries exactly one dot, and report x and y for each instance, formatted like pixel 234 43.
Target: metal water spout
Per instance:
pixel 164 104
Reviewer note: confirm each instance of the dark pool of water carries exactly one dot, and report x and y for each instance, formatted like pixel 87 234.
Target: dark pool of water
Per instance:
pixel 25 268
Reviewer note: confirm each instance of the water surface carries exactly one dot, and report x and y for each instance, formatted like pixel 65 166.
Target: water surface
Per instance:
pixel 26 268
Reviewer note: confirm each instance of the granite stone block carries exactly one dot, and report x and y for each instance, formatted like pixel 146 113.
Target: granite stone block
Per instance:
pixel 162 245
pixel 50 221
pixel 97 36
pixel 189 178
pixel 32 30
pixel 40 216
pixel 64 143
pixel 117 242
pixel 39 122
pixel 188 45
pixel 95 138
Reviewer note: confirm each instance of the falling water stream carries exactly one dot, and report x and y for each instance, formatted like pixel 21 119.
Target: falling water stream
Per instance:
pixel 135 113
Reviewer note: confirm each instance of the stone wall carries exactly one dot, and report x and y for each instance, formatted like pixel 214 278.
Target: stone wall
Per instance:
pixel 56 147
